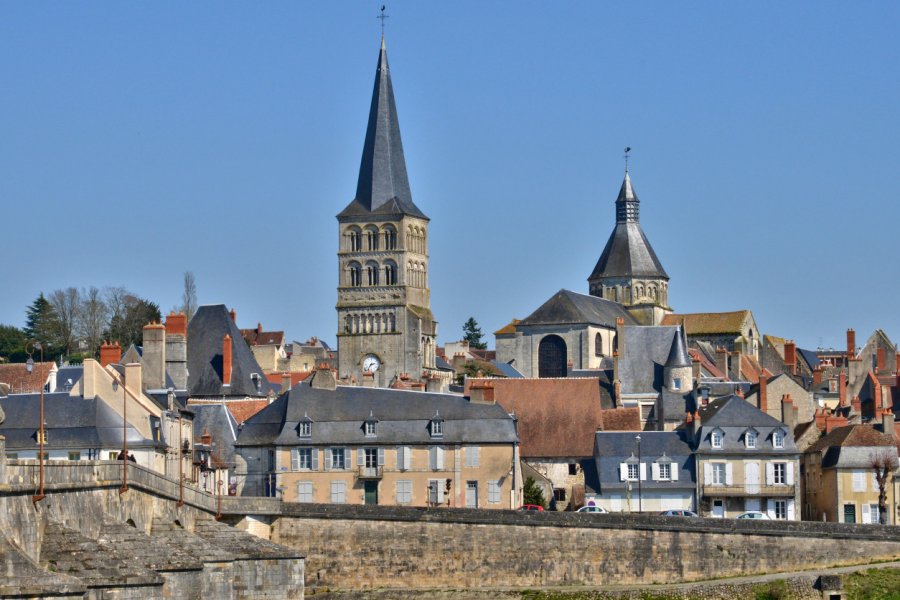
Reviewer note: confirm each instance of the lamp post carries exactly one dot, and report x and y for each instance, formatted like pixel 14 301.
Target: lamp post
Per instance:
pixel 640 498
pixel 30 347
pixel 124 487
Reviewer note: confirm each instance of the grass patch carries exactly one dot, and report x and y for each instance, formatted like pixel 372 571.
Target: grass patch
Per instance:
pixel 773 590
pixel 873 584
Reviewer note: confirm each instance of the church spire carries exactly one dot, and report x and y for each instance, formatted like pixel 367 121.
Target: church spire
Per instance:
pixel 383 185
pixel 627 204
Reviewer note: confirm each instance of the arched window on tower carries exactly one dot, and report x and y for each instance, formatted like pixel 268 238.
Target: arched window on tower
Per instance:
pixel 371 238
pixel 390 237
pixel 598 345
pixel 372 272
pixel 552 357
pixel 354 270
pixel 390 273
pixel 355 236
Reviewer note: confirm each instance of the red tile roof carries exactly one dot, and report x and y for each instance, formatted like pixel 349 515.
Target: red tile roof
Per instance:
pixel 557 417
pixel 621 419
pixel 296 377
pixel 21 381
pixel 256 337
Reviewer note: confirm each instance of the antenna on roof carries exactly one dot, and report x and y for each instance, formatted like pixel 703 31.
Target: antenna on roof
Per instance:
pixel 627 150
pixel 382 16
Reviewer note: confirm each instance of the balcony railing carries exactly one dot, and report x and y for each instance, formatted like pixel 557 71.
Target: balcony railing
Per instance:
pixel 371 472
pixel 718 491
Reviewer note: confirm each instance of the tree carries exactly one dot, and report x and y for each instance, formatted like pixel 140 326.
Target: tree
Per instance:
pixel 884 462
pixel 532 493
pixel 127 325
pixel 42 324
pixel 473 334
pixel 93 319
pixel 12 344
pixel 66 304
pixel 189 296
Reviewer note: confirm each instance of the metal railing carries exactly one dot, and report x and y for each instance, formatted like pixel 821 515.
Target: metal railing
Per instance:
pixel 743 490
pixel 370 472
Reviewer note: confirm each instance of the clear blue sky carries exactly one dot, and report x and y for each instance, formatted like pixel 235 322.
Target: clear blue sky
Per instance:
pixel 139 140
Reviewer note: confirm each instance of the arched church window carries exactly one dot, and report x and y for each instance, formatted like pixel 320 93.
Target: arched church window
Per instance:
pixel 372 273
pixel 371 237
pixel 355 239
pixel 552 357
pixel 390 237
pixel 598 345
pixel 390 273
pixel 355 272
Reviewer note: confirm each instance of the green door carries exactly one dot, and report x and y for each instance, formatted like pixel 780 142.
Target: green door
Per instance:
pixel 371 492
pixel 849 513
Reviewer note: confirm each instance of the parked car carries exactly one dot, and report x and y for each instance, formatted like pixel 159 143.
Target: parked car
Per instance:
pixel 754 514
pixel 536 507
pixel 592 509
pixel 678 513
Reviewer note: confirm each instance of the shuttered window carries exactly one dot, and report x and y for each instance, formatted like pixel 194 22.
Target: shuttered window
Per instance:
pixel 404 492
pixel 338 492
pixel 493 492
pixel 305 491
pixel 473 457
pixel 436 458
pixel 404 458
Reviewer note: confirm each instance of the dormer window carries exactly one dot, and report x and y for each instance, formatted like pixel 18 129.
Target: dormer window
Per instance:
pixel 437 426
pixel 370 426
pixel 304 427
pixel 750 438
pixel 716 438
pixel 778 439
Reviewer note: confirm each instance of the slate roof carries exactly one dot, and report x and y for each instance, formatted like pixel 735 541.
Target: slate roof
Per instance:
pixel 205 334
pixel 810 356
pixel 709 323
pixel 215 420
pixel 557 417
pixel 383 186
pixel 506 369
pixel 678 356
pixel 612 448
pixel 733 415
pixel 628 253
pixel 643 356
pixel 257 337
pixel 67 377
pixel 568 307
pixel 70 422
pixel 403 417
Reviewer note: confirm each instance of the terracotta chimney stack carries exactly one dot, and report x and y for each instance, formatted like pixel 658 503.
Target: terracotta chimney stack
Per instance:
pixel 176 324
pixel 788 411
pixel 856 405
pixel 233 314
pixel 851 344
pixel 887 423
pixel 821 415
pixel 226 359
pixel 842 388
pixel 817 375
pixel 110 353
pixel 763 396
pixel 206 438
pixel 790 356
pixel 722 361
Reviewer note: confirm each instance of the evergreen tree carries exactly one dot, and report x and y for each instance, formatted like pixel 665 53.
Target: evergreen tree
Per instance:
pixel 12 344
pixel 127 326
pixel 532 493
pixel 42 324
pixel 472 334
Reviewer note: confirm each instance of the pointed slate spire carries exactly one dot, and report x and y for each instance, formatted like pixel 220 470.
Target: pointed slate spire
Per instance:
pixel 627 204
pixel 383 185
pixel 678 354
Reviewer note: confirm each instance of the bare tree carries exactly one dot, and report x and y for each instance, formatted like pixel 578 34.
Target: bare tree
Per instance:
pixel 189 296
pixel 885 463
pixel 93 318
pixel 116 300
pixel 67 304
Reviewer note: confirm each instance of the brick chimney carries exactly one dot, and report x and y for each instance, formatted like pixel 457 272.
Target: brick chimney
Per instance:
pixel 851 344
pixel 821 415
pixel 788 412
pixel 790 356
pixel 763 395
pixel 696 423
pixel 233 314
pixel 110 353
pixel 153 358
pixel 285 382
pixel 258 328
pixel 206 438
pixel 227 348
pixel 722 360
pixel 856 405
pixel 323 378
pixel 879 360
pixel 368 379
pixel 695 371
pixel 832 423
pixel 842 388
pixel 817 375
pixel 176 349
pixel 481 392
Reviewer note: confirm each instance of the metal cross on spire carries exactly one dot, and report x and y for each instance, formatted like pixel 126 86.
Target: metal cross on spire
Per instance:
pixel 382 16
pixel 627 150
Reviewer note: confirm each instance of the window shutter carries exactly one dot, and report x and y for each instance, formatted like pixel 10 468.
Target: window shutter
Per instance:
pixel 866 518
pixel 381 457
pixel 770 508
pixel 770 473
pixel 432 491
pixel 347 458
pixel 707 473
pixel 315 458
pixel 623 471
pixel 654 471
pixel 360 457
pixel 790 473
pixel 673 471
pixel 295 459
pixel 400 465
pixel 874 482
pixel 440 490
pixel 432 458
pixel 642 470
pixel 790 509
pixel 440 458
pixel 729 474
pixel 328 452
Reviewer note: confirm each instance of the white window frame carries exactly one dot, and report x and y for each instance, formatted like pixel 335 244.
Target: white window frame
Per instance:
pixel 750 439
pixel 371 429
pixel 472 456
pixel 305 492
pixel 337 453
pixel 404 458
pixel 719 469
pixel 779 473
pixel 297 456
pixel 633 472
pixel 404 491
pixel 493 492
pixel 305 429
pixel 338 492
pixel 780 509
pixel 860 481
pixel 665 471
pixel 778 439
pixel 716 439
pixel 676 383
pixel 437 428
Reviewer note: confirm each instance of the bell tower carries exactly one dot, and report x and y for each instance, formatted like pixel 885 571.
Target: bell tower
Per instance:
pixel 385 324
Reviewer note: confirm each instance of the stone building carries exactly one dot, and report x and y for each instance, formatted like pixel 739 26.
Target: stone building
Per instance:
pixel 734 331
pixel 385 324
pixel 323 442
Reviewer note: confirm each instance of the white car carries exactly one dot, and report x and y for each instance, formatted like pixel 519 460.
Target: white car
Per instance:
pixel 592 509
pixel 754 514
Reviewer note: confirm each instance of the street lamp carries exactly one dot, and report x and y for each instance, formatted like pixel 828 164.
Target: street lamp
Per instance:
pixel 640 498
pixel 115 387
pixel 30 347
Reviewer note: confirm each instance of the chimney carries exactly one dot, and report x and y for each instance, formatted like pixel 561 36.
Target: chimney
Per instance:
pixel 233 315
pixel 227 347
pixel 842 388
pixel 153 358
pixel 285 382
pixel 323 378
pixel 696 423
pixel 434 384
pixel 695 371
pixel 878 394
pixel 258 328
pixel 856 405
pixel 879 360
pixel 722 361
pixel 763 395
pixel 176 350
pixel 110 353
pixel 821 415
pixel 481 392
pixel 851 344
pixel 817 375
pixel 790 356
pixel 788 412
pixel 887 423
pixel 51 379
pixel 133 378
pixel 620 336
pixel 832 423
pixel 206 438
pixel 368 379
pixel 735 367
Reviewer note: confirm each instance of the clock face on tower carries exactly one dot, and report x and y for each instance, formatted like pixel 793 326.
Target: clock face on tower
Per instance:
pixel 371 363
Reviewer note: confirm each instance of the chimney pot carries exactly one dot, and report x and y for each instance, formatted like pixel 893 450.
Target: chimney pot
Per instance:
pixel 226 359
pixel 851 344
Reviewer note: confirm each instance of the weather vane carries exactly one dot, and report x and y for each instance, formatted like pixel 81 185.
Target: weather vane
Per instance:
pixel 627 150
pixel 382 16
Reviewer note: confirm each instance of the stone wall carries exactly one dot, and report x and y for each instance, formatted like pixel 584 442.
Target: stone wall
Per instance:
pixel 433 549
